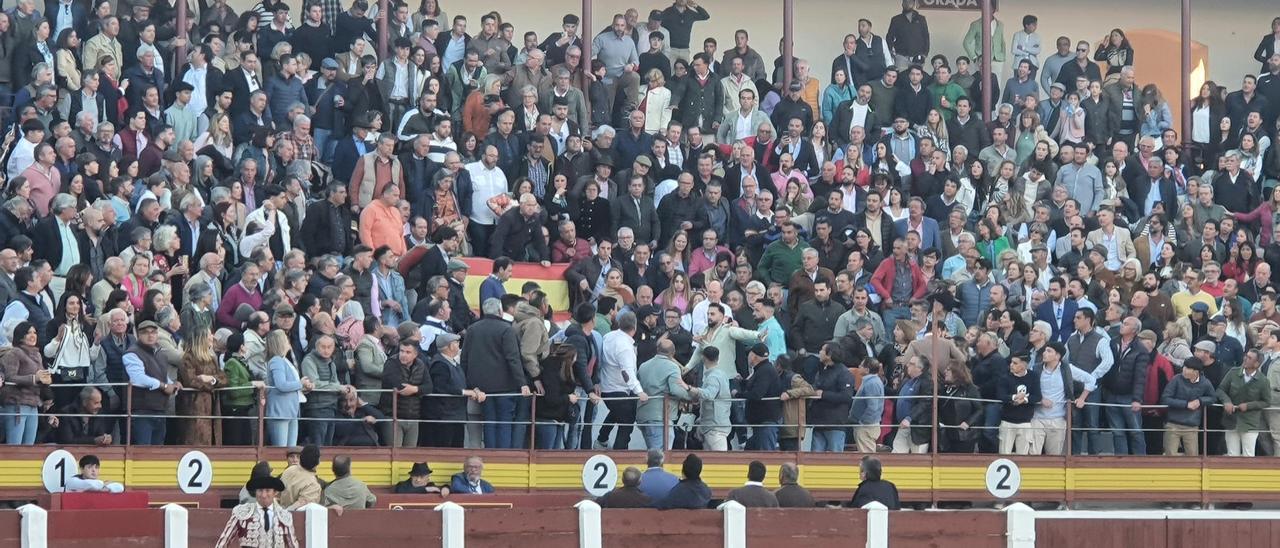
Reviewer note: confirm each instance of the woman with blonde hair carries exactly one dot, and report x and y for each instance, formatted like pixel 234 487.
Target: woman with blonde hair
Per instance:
pixel 200 376
pixel 655 102
pixel 935 127
pixel 676 295
pixel 287 392
pixel 679 250
pixel 1175 346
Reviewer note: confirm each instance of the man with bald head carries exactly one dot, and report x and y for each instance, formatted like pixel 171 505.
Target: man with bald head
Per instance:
pixel 8 265
pixel 519 234
pixel 660 377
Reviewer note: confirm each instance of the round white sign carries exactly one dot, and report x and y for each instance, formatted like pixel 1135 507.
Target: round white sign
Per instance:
pixel 195 473
pixel 58 466
pixel 599 475
pixel 1003 478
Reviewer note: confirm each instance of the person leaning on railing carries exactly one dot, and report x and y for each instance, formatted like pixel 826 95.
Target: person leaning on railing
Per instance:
pixel 24 377
pixel 238 395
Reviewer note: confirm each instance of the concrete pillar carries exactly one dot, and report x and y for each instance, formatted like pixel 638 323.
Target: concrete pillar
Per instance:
pixel 453 527
pixel 877 525
pixel 317 525
pixel 175 523
pixel 735 524
pixel 35 526
pixel 588 524
pixel 1020 526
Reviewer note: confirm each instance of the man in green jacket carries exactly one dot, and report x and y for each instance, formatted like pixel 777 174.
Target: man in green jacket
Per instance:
pixel 1244 393
pixel 945 93
pixel 660 378
pixel 322 401
pixel 782 257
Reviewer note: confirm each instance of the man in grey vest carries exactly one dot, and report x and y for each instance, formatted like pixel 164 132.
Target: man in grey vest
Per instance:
pixel 152 386
pixel 1089 350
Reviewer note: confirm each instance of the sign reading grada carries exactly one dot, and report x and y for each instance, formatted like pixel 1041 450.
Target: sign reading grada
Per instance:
pixel 952 5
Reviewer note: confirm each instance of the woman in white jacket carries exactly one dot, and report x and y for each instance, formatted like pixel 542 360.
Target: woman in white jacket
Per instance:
pixel 656 104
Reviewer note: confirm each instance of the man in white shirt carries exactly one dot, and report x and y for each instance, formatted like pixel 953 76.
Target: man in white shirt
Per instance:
pixel 487 181
pixel 619 384
pixel 715 294
pixel 87 479
pixel 23 154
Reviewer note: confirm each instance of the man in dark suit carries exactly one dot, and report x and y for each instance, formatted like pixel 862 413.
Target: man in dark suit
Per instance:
pixel 637 212
pixel 350 148
pixel 245 124
pixel 67 14
pixel 435 262
pixel 189 223
pixel 1154 180
pixel 801 150
pixel 584 276
pixel 872 488
pixel 873 214
pixel 916 221
pixel 243 81
pixel 747 166
pixel 1058 311
pixel 47 236
pixel 753 494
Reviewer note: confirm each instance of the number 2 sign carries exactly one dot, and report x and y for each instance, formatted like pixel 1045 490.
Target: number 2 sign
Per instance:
pixel 1003 478
pixel 599 475
pixel 195 473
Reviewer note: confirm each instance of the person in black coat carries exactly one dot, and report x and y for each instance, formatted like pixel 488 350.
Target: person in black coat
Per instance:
pixel 558 398
pixel 519 234
pixel 357 423
pixel 345 153
pixel 912 103
pixel 872 488
pixel 447 378
pixel 761 390
pixel 691 493
pixel 327 227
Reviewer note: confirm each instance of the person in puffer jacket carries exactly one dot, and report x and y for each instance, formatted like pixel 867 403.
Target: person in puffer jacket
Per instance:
pixel 1187 396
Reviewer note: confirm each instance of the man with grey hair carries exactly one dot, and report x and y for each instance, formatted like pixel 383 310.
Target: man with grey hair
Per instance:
pixel 58 241
pixel 790 494
pixel 563 88
pixel 519 234
pixel 630 495
pixel 656 482
pixel 210 275
pixel 491 358
pixel 618 382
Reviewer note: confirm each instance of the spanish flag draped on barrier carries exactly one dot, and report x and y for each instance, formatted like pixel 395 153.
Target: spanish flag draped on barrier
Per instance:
pixel 550 278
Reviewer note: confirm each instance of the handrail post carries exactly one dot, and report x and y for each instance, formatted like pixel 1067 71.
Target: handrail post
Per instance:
pixel 395 424
pixel 128 415
pixel 1070 489
pixel 1204 452
pixel 533 423
pixel 800 426
pixel 666 420
pixel 262 418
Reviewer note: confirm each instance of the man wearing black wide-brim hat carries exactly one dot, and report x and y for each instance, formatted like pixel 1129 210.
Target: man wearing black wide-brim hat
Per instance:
pixel 262 522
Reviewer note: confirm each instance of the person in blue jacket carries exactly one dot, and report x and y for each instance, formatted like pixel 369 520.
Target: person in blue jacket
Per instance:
pixel 468 481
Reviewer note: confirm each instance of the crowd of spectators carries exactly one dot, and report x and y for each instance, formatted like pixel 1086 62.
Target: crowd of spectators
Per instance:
pixel 256 216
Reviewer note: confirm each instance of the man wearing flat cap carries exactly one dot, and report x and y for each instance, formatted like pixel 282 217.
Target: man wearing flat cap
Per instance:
pixel 1187 396
pixel 152 386
pixel 419 482
pixel 262 522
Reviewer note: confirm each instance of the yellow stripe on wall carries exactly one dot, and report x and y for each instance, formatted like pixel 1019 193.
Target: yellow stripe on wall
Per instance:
pixel 162 474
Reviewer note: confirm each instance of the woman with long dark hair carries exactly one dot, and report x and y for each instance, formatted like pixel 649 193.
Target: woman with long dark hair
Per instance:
pixel 557 405
pixel 959 410
pixel 1115 51
pixel 69 348
pixel 24 375
pixel 66 73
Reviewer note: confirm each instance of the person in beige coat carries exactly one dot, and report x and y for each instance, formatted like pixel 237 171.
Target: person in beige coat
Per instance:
pixel 1112 237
